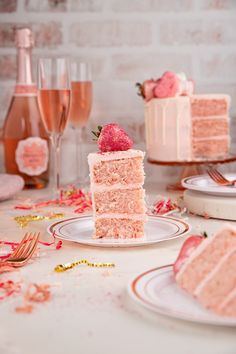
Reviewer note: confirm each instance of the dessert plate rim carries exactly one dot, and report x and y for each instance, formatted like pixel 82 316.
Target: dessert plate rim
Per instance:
pixel 139 295
pixel 212 188
pixel 55 229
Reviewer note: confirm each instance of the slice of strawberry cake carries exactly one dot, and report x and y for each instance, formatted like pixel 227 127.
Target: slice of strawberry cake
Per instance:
pixel 206 269
pixel 117 177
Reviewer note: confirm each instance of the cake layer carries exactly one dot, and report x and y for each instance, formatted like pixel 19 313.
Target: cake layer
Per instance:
pixel 219 282
pixel 205 258
pixel 210 127
pixel 209 105
pixel 212 147
pixel 119 171
pixel 119 228
pixel 128 201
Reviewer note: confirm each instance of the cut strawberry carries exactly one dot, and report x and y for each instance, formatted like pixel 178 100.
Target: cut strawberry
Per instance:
pixel 188 247
pixel 112 137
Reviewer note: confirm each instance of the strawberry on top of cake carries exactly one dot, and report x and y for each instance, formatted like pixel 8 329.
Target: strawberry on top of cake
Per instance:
pixel 169 84
pixel 117 177
pixel 206 269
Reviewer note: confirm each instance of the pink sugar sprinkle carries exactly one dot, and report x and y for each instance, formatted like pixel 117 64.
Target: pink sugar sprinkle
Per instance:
pixel 71 197
pixel 163 206
pixel 9 288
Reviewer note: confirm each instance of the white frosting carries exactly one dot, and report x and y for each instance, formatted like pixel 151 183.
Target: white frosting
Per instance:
pixel 219 137
pixel 169 129
pixel 186 86
pixel 210 117
pixel 96 157
pixel 102 188
pixel 141 217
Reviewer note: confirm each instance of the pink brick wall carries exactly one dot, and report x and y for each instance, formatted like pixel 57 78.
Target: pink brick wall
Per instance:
pixel 126 42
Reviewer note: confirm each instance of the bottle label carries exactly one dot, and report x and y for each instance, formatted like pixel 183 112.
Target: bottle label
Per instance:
pixel 25 90
pixel 32 156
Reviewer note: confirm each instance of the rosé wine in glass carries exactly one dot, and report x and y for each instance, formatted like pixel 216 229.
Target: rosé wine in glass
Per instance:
pixel 54 105
pixel 54 101
pixel 81 103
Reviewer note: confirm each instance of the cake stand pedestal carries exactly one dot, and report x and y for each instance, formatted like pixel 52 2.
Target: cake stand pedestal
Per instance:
pixel 191 168
pixel 217 207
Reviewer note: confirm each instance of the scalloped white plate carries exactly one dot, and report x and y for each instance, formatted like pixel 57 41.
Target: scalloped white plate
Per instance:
pixel 157 229
pixel 157 290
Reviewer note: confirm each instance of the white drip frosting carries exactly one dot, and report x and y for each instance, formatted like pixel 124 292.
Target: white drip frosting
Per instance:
pixel 169 129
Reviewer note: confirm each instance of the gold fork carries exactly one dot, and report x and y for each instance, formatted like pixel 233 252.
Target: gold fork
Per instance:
pixel 23 252
pixel 219 178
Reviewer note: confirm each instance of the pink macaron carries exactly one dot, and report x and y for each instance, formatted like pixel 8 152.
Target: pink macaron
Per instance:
pixel 167 85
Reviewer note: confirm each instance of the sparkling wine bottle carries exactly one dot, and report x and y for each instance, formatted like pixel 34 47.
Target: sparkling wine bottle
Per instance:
pixel 24 137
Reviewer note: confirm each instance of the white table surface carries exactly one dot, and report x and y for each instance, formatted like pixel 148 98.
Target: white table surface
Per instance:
pixel 90 310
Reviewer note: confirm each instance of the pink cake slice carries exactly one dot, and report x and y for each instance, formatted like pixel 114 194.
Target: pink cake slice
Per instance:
pixel 209 273
pixel 117 194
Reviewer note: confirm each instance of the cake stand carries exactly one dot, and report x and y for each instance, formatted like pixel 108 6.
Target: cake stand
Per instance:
pixel 210 206
pixel 191 168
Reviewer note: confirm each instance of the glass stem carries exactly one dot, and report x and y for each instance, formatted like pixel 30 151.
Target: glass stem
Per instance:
pixel 55 173
pixel 79 154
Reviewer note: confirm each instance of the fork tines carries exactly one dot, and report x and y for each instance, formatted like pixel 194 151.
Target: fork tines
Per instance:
pixel 217 176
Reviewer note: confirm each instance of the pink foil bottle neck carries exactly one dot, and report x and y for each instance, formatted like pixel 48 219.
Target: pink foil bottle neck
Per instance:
pixel 24 38
pixel 24 43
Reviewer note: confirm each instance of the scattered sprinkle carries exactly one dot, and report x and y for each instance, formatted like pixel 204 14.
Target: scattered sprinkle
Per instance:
pixel 68 198
pixel 24 220
pixel 63 267
pixel 8 288
pixel 38 293
pixel 163 206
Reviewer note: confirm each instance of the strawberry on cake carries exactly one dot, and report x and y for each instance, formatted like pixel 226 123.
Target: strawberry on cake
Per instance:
pixel 117 177
pixel 206 269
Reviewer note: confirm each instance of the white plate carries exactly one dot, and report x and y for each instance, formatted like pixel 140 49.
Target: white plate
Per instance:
pixel 157 229
pixel 157 290
pixel 205 184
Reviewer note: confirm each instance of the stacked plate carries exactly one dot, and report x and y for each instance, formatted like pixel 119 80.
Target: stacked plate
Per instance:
pixel 204 197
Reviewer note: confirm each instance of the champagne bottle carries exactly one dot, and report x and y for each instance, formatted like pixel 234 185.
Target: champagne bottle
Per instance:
pixel 24 137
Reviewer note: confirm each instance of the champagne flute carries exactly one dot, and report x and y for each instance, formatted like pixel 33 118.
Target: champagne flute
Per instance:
pixel 54 100
pixel 81 102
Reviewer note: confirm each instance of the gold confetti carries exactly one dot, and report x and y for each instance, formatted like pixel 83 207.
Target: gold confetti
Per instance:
pixel 24 220
pixel 63 267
